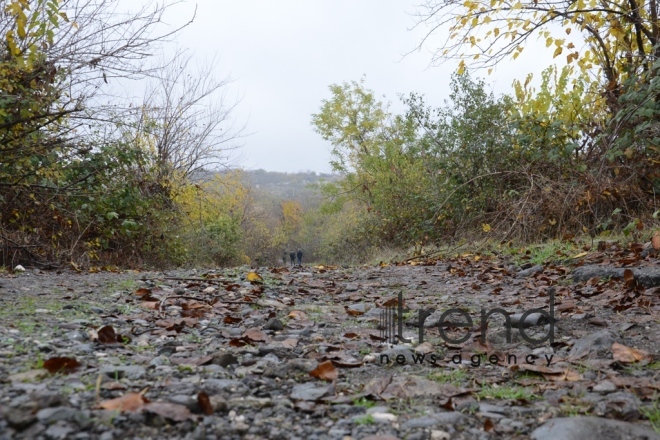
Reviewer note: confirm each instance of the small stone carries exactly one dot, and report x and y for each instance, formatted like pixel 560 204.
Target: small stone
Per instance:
pixel 437 434
pixel 274 324
pixel 531 320
pixel 224 359
pixel 384 417
pixel 59 431
pixel 133 372
pixel 529 272
pixel 218 403
pixel 605 387
pixel 19 418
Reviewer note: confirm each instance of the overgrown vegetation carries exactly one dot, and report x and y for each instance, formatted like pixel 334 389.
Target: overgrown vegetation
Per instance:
pixel 83 179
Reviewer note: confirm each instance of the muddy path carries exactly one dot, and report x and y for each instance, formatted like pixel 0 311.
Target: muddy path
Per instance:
pixel 305 352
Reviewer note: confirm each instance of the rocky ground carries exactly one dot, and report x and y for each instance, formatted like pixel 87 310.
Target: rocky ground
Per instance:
pixel 301 353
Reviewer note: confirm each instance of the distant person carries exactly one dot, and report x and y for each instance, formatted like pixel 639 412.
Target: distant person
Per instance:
pixel 292 255
pixel 299 255
pixel 284 258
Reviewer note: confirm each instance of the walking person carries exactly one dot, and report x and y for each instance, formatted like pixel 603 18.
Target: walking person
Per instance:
pixel 299 255
pixel 284 257
pixel 292 255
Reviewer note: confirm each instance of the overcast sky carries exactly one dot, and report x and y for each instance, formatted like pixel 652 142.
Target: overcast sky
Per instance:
pixel 284 54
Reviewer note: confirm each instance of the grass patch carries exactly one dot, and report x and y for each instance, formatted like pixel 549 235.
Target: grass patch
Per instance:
pixel 574 409
pixel 454 377
pixel 505 393
pixel 550 251
pixel 365 420
pixel 652 413
pixel 364 403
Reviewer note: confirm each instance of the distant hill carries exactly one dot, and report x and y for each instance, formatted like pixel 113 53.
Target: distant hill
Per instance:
pixel 287 186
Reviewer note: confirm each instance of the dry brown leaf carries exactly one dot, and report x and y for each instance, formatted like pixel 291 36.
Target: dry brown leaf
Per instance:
pixel 297 315
pixel 195 361
pixel 172 411
pixel 205 403
pixel 151 305
pixel 255 335
pixel 325 371
pixel 63 365
pixel 378 385
pixel 290 343
pixel 113 386
pixel 143 291
pixel 629 278
pixel 127 402
pixel 628 355
pixel 237 342
pixel 107 335
pixel 655 241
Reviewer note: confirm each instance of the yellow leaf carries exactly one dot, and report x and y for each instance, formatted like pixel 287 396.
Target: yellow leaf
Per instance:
pixel 254 277
pixel 461 67
pixel 580 255
pixel 568 31
pixel 552 221
pixel 496 31
pixel 515 55
pixel 487 20
pixel 558 52
pixel 486 227
pixel 490 70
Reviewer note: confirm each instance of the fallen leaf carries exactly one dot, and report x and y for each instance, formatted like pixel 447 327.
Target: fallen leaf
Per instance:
pixel 205 403
pixel 151 305
pixel 232 319
pixel 629 278
pixel 64 365
pixel 254 278
pixel 255 335
pixel 297 315
pixel 107 335
pixel 378 385
pixel 195 361
pixel 655 241
pixel 143 291
pixel 628 355
pixel 172 411
pixel 325 371
pixel 127 402
pixel 113 386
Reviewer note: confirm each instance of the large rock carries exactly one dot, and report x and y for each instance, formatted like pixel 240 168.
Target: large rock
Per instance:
pixel 582 428
pixel 646 276
pixel 592 344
